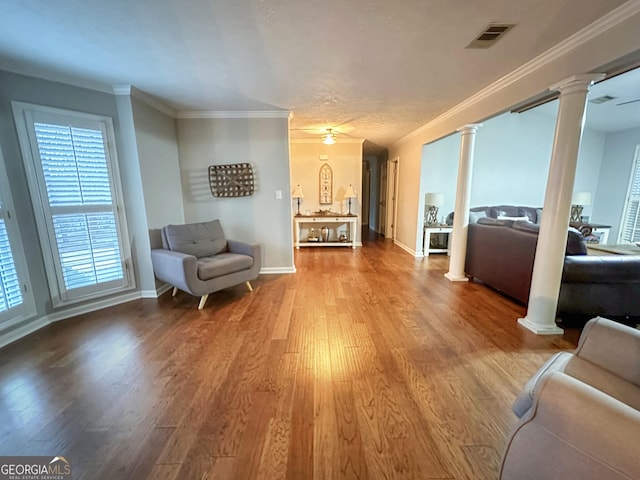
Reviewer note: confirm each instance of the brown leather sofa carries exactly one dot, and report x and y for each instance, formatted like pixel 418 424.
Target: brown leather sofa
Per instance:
pixel 501 253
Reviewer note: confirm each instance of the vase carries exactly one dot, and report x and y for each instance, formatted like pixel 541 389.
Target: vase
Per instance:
pixel 324 233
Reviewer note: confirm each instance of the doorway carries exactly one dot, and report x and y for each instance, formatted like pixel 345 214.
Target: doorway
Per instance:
pixel 382 211
pixel 394 175
pixel 366 193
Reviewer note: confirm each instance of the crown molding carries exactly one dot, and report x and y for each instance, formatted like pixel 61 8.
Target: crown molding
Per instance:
pixel 319 140
pixel 121 89
pixel 603 24
pixel 144 97
pixel 235 114
pixel 153 102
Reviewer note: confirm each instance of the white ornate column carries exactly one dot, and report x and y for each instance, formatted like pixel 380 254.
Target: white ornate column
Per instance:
pixel 552 240
pixel 461 215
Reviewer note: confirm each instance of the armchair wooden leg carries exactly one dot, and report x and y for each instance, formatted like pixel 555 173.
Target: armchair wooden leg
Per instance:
pixel 203 300
pixel 174 292
pixel 249 287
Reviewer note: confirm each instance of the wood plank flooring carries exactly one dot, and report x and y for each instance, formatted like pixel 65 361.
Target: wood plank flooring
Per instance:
pixel 363 364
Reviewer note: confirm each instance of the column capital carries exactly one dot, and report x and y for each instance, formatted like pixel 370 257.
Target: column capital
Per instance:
pixel 469 128
pixel 576 82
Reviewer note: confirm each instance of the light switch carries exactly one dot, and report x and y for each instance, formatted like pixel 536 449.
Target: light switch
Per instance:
pixel 278 194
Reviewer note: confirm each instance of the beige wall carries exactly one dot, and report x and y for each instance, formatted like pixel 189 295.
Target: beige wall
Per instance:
pixel 595 55
pixel 157 140
pixel 345 160
pixel 261 217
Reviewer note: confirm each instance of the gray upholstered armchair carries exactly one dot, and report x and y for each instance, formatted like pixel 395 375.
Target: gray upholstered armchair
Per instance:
pixel 580 413
pixel 199 260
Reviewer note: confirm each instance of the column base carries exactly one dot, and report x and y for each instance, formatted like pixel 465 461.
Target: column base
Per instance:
pixel 456 278
pixel 540 329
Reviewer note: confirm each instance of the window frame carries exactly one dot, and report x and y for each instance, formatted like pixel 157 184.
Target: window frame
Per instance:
pixel 635 172
pixel 27 308
pixel 26 115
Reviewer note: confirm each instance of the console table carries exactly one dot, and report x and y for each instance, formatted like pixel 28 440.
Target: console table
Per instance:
pixel 429 230
pixel 601 231
pixel 317 221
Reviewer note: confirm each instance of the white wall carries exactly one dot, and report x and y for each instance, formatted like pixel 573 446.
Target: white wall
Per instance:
pixel 258 218
pixel 157 140
pixel 345 160
pixel 132 189
pixel 44 92
pixel 615 173
pixel 512 157
pixel 617 40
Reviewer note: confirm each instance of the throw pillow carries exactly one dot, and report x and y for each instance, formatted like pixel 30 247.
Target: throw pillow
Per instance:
pixel 514 219
pixel 475 216
pixel 538 215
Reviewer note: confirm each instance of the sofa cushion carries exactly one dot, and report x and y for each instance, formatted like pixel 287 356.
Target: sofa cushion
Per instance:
pixel 575 243
pixel 494 222
pixel 504 211
pixel 223 264
pixel 202 239
pixel 527 227
pixel 529 212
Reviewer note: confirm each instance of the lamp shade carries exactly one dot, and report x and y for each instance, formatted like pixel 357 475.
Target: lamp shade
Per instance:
pixel 297 193
pixel 434 198
pixel 350 192
pixel 581 198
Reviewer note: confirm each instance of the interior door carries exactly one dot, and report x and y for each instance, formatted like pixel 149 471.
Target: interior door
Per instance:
pixel 382 211
pixel 394 196
pixel 366 194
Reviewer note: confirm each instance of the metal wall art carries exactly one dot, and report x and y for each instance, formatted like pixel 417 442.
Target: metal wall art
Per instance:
pixel 326 185
pixel 231 180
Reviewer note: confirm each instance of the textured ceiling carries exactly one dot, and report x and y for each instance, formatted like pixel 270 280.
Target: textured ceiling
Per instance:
pixel 620 113
pixel 378 68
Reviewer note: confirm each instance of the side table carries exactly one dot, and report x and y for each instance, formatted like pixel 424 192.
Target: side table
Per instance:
pixel 429 230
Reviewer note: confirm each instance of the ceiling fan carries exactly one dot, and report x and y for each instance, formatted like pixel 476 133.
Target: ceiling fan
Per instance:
pixel 328 135
pixel 329 138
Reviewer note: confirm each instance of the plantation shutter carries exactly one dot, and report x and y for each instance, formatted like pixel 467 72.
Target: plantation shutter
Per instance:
pixel 10 292
pixel 75 171
pixel 631 219
pixel 75 188
pixel 16 298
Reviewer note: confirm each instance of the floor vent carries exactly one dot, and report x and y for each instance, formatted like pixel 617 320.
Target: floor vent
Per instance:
pixel 490 35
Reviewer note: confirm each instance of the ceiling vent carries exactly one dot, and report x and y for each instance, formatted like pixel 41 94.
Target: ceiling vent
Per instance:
pixel 602 99
pixel 490 35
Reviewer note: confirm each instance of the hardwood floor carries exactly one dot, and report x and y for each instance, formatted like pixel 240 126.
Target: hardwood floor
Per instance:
pixel 364 364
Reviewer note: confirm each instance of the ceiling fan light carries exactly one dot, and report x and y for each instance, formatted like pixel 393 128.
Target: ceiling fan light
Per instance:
pixel 328 139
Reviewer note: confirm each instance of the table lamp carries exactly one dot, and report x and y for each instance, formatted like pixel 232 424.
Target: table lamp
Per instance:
pixel 578 201
pixel 350 193
pixel 297 193
pixel 432 201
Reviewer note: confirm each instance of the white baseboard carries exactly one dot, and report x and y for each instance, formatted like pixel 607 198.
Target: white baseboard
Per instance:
pixel 23 331
pixel 407 249
pixel 92 307
pixel 165 287
pixel 277 270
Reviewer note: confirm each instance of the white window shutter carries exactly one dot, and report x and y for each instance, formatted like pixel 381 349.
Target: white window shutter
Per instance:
pixel 630 228
pixel 73 177
pixel 10 291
